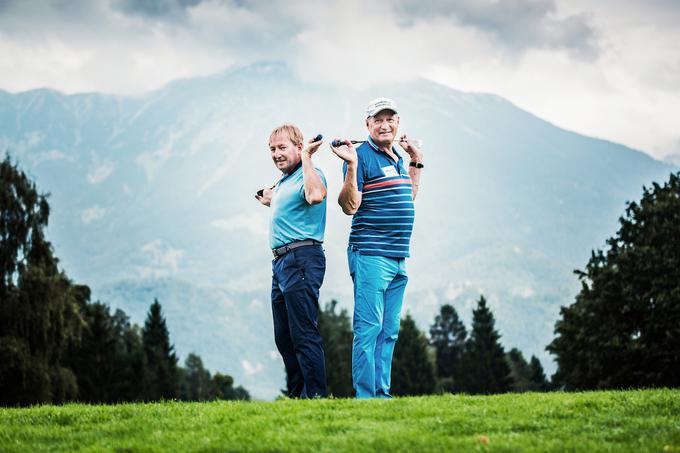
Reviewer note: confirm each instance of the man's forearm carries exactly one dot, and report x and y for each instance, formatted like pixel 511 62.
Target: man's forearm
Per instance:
pixel 315 191
pixel 414 173
pixel 350 197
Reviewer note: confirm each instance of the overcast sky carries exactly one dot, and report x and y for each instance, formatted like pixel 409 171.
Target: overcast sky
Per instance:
pixel 605 68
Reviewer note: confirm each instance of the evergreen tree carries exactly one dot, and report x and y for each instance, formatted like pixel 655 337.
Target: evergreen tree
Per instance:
pixel 412 371
pixel 160 377
pixel 537 376
pixel 197 384
pixel 93 360
pixel 484 369
pixel 520 371
pixel 448 335
pixel 336 331
pixel 623 330
pixel 39 305
pixel 225 388
pixel 129 359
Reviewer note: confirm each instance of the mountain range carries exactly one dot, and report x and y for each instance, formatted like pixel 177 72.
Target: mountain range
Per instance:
pixel 152 197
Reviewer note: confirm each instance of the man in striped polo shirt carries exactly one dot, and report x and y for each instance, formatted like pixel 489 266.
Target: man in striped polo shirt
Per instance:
pixel 379 192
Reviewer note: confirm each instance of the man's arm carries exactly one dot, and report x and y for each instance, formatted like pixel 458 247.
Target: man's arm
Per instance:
pixel 350 197
pixel 315 190
pixel 416 156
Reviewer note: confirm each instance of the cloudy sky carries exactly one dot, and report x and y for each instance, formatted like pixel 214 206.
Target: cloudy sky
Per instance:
pixel 605 68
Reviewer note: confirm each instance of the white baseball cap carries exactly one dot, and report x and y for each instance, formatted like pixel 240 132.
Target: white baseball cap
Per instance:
pixel 380 104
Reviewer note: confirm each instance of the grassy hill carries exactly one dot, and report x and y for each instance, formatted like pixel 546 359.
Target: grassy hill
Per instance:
pixel 638 421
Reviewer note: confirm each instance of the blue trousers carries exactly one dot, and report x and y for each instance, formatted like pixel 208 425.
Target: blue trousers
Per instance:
pixel 379 284
pixel 296 279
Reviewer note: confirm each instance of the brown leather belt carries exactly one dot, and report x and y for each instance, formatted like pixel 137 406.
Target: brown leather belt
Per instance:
pixel 279 252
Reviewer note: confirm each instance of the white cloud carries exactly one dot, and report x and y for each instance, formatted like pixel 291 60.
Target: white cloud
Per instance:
pixel 100 173
pixel 162 259
pixel 94 213
pixel 251 368
pixel 609 69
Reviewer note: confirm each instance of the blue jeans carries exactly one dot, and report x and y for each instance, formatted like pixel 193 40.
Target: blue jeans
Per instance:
pixel 296 279
pixel 379 284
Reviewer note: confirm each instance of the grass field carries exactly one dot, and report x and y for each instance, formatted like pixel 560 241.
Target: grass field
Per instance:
pixel 635 421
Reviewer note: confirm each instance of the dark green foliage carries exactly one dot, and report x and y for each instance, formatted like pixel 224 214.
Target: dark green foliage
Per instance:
pixel 54 345
pixel 448 335
pixel 526 377
pixel 412 371
pixel 93 359
pixel 39 305
pixel 336 331
pixel 623 330
pixel 160 373
pixel 519 370
pixel 226 390
pixel 109 360
pixel 484 369
pixel 197 385
pixel 539 381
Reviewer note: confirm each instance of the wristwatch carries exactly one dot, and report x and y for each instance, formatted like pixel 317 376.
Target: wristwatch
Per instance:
pixel 416 164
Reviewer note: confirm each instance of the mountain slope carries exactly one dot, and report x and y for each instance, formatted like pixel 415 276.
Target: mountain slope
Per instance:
pixel 153 197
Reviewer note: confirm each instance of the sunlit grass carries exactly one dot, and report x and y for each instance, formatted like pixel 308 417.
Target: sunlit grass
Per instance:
pixel 632 421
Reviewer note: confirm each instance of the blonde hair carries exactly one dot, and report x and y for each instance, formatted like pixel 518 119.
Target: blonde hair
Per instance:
pixel 291 130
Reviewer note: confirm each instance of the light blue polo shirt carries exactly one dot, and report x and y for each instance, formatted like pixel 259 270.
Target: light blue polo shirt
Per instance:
pixel 292 218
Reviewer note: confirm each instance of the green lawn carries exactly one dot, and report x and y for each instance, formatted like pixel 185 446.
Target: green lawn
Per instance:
pixel 633 421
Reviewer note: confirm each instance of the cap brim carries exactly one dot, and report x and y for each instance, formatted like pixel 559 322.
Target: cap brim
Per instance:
pixel 378 111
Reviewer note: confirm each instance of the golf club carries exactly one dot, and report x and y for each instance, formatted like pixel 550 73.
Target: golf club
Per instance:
pixel 335 143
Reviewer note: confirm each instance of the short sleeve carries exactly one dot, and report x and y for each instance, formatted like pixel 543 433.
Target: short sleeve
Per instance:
pixel 322 176
pixel 360 173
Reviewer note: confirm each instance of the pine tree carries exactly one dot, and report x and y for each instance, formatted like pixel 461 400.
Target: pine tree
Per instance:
pixel 129 359
pixel 519 371
pixel 537 376
pixel 412 371
pixel 336 331
pixel 161 378
pixel 484 369
pixel 623 330
pixel 39 305
pixel 448 335
pixel 197 384
pixel 93 360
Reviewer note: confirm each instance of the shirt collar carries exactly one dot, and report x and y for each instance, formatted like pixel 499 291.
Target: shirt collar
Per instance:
pixel 297 167
pixel 375 147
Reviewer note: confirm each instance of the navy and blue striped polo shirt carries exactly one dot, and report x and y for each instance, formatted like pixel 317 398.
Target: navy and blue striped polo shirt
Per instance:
pixel 384 221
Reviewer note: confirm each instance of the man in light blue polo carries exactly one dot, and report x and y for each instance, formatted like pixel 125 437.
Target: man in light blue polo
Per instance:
pixel 379 192
pixel 298 221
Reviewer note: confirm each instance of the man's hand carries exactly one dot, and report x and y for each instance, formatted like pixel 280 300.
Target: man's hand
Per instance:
pixel 312 148
pixel 411 149
pixel 345 151
pixel 266 197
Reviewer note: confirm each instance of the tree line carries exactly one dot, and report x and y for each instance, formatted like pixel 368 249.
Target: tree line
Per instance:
pixel 449 360
pixel 622 331
pixel 58 346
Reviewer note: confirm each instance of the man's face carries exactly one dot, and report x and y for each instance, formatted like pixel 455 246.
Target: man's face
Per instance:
pixel 285 154
pixel 383 127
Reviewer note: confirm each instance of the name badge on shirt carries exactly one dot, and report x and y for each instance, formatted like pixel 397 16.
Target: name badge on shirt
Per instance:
pixel 389 171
